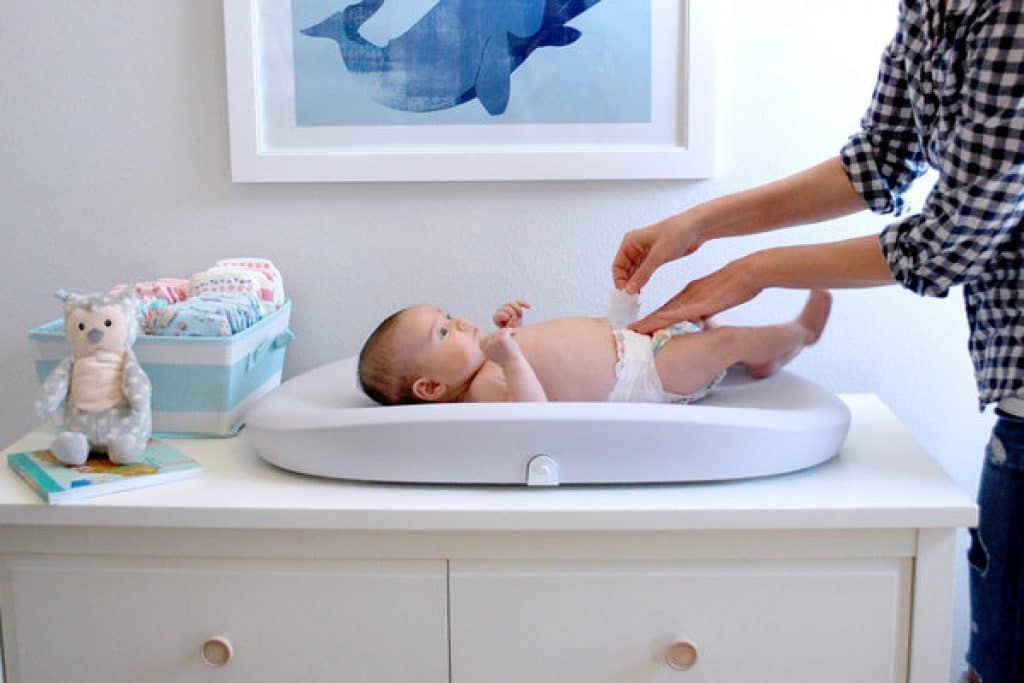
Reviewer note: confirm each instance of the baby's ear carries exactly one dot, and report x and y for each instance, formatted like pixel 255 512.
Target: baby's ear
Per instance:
pixel 428 389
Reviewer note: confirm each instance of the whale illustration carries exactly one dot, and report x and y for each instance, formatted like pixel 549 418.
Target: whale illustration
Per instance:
pixel 459 50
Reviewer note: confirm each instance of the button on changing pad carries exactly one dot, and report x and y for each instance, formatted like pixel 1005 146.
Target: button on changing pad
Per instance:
pixel 321 423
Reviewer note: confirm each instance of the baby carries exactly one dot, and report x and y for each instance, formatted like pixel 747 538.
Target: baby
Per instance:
pixel 422 354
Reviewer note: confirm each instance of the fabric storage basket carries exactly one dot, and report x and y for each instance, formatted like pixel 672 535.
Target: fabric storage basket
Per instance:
pixel 201 385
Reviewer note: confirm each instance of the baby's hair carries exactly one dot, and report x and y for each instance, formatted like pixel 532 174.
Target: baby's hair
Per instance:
pixel 382 373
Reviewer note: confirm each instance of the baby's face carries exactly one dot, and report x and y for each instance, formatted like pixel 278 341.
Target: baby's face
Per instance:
pixel 442 347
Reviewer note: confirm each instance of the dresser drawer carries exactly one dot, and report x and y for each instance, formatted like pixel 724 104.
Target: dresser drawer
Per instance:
pixel 114 619
pixel 744 622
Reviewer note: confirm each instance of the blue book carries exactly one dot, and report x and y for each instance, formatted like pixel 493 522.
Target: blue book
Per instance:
pixel 56 482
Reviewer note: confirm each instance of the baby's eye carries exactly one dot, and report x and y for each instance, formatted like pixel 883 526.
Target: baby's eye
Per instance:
pixel 447 315
pixel 443 332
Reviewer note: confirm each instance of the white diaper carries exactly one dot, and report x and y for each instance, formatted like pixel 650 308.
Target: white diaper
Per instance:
pixel 638 380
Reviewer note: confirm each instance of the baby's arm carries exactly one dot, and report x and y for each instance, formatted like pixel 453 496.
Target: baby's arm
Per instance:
pixel 521 383
pixel 510 314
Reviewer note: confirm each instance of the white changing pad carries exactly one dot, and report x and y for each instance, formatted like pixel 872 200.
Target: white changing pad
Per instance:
pixel 321 423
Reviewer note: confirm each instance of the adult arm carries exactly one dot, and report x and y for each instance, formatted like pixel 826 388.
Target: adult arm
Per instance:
pixel 817 194
pixel 874 169
pixel 971 220
pixel 857 262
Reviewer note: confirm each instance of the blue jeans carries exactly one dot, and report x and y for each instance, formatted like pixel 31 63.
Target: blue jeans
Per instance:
pixel 996 559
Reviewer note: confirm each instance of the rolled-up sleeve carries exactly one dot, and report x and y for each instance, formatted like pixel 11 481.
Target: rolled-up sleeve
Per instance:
pixel 975 209
pixel 884 157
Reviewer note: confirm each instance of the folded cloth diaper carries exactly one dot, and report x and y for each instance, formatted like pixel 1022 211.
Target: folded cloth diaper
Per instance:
pixel 153 296
pixel 637 376
pixel 208 315
pixel 223 279
pixel 264 266
pixel 170 289
pixel 242 309
pixel 149 312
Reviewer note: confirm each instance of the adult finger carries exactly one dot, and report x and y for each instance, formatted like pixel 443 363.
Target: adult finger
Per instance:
pixel 701 299
pixel 631 254
pixel 641 275
pixel 663 317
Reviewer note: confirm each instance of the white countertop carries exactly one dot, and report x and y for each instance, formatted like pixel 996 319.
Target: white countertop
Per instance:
pixel 882 478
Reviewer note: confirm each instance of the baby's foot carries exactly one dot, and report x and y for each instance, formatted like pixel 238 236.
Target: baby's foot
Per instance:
pixel 812 321
pixel 815 314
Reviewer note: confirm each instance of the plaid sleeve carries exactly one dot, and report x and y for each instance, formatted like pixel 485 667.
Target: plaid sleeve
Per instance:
pixel 976 207
pixel 884 157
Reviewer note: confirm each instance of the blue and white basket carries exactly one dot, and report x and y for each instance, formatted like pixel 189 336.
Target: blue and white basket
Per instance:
pixel 201 385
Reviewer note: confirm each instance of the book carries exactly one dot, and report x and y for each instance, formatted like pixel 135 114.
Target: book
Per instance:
pixel 56 482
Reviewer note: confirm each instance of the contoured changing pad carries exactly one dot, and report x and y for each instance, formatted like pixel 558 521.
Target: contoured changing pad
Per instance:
pixel 321 423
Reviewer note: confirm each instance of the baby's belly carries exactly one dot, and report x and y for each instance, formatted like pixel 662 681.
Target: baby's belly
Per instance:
pixel 574 358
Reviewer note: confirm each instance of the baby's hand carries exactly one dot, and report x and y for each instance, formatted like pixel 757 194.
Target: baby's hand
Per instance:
pixel 510 314
pixel 501 346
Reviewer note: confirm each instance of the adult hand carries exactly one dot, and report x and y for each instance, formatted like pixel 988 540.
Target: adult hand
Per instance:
pixel 644 250
pixel 732 285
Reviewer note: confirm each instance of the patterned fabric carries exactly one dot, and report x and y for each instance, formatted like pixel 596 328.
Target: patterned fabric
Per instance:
pixel 265 266
pixel 224 280
pixel 212 314
pixel 170 289
pixel 661 337
pixel 950 95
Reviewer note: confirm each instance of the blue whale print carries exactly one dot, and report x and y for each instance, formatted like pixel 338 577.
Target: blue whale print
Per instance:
pixel 459 50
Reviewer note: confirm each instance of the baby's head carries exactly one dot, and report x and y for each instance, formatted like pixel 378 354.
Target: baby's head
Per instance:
pixel 420 354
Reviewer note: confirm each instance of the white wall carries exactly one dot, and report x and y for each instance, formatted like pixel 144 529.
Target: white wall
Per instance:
pixel 113 165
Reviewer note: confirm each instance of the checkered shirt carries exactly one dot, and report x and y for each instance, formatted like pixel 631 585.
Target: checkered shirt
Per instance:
pixel 950 95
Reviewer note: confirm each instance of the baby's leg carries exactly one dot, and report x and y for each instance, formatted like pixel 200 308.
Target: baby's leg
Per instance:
pixel 689 362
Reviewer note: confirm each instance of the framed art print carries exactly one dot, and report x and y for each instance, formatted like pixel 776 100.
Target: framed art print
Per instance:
pixel 436 90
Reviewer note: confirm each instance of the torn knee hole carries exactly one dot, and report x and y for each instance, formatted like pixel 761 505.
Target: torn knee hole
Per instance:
pixel 996 451
pixel 977 555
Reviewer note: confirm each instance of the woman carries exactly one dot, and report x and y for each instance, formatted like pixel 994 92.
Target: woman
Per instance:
pixel 950 95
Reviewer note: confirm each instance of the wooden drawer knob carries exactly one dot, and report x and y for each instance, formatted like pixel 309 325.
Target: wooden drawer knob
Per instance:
pixel 681 655
pixel 216 651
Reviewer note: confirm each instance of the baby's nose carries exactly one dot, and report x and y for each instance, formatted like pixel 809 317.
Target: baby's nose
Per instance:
pixel 462 323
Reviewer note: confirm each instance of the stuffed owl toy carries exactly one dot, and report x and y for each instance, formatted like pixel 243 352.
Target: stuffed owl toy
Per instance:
pixel 105 393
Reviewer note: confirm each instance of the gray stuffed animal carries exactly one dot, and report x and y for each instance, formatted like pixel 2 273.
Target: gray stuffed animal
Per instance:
pixel 106 394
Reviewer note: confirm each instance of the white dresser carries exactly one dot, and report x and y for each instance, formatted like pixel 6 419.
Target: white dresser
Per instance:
pixel 842 573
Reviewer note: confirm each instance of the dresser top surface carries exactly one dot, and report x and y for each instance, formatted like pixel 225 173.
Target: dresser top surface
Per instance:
pixel 882 478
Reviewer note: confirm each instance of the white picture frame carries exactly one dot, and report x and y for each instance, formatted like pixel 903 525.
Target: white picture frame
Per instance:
pixel 265 146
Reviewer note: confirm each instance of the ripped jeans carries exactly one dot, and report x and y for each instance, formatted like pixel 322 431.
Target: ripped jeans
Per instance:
pixel 996 559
